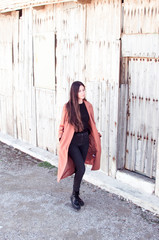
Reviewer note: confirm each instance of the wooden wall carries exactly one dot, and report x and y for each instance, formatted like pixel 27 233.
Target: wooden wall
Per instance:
pixel 54 46
pixel 107 46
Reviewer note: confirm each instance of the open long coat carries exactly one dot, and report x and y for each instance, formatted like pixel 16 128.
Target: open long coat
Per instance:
pixel 66 131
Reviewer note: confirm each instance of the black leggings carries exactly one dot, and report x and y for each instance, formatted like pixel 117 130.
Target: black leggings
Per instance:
pixel 78 151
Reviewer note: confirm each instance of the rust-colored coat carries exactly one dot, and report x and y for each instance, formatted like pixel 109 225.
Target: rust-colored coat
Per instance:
pixel 66 131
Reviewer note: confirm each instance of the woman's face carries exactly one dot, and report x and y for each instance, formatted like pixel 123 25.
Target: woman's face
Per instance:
pixel 81 93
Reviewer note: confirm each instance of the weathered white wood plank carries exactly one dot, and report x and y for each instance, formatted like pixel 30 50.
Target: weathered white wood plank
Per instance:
pixel 15 67
pixel 6 70
pixel 157 170
pixel 140 45
pixel 46 116
pixel 44 60
pixel 122 130
pixel 24 126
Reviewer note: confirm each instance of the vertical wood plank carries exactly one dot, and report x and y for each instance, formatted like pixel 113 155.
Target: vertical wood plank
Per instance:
pixel 123 114
pixel 157 169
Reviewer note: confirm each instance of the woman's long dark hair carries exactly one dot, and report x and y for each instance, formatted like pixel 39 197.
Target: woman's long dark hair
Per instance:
pixel 72 106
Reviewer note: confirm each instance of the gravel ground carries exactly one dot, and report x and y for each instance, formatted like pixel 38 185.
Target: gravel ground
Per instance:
pixel 34 206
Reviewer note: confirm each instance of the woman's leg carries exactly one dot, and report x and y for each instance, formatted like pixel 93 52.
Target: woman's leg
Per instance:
pixel 77 156
pixel 78 151
pixel 84 150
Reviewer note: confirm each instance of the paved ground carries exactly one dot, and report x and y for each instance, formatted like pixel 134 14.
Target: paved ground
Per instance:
pixel 34 206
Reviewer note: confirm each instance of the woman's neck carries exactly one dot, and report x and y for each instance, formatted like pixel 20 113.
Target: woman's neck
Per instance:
pixel 80 101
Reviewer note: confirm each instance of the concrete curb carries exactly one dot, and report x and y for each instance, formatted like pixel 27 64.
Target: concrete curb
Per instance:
pixel 147 201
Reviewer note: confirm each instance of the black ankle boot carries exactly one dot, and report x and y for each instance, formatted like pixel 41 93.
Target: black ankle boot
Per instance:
pixel 75 202
pixel 81 203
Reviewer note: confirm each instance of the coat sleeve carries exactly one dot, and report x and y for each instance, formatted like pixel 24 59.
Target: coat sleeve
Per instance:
pixel 62 122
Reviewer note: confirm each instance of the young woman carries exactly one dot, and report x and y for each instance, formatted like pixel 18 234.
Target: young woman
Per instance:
pixel 79 140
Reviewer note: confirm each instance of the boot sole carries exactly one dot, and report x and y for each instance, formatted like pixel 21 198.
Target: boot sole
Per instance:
pixel 74 206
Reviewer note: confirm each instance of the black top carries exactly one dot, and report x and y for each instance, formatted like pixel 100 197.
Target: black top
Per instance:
pixel 84 117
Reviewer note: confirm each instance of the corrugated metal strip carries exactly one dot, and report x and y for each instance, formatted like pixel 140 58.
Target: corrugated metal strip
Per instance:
pixel 141 16
pixel 7 6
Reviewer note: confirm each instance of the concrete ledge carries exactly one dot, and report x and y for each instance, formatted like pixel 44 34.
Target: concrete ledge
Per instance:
pixel 147 201
pixel 136 181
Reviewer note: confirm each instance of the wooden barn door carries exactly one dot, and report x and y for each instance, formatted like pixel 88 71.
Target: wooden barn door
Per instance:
pixel 140 85
pixel 142 115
